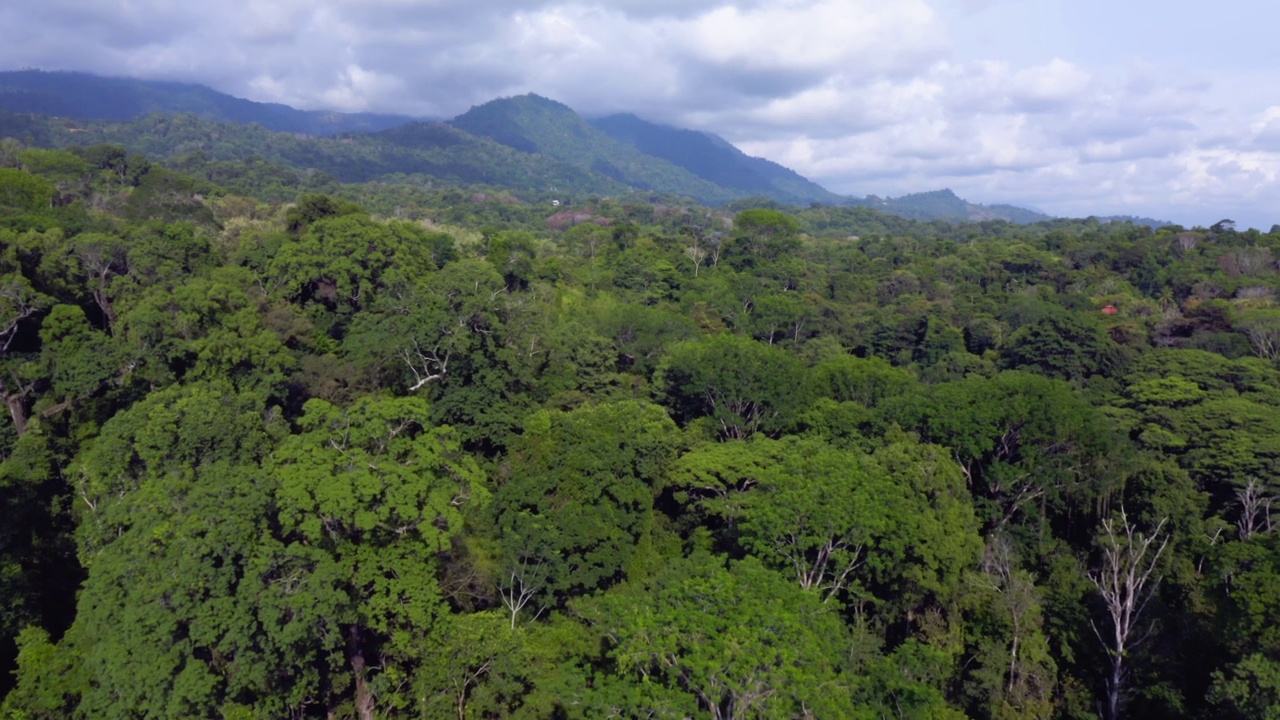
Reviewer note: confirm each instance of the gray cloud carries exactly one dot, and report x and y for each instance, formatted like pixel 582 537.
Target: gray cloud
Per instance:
pixel 862 95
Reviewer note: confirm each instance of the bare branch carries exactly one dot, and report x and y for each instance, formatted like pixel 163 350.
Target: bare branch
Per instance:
pixel 17 303
pixel 1255 509
pixel 427 366
pixel 1127 582
pixel 522 585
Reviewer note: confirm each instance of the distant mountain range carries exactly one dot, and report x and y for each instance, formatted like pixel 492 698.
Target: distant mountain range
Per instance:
pixel 1149 222
pixel 89 97
pixel 946 205
pixel 525 143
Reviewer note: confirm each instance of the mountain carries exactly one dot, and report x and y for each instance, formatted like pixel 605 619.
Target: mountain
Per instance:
pixel 527 143
pixel 82 96
pixel 715 160
pixel 434 150
pixel 534 124
pixel 1136 220
pixel 946 205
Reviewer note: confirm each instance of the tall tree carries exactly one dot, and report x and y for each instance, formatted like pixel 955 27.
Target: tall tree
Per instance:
pixel 580 496
pixel 734 643
pixel 744 387
pixel 1126 581
pixel 373 495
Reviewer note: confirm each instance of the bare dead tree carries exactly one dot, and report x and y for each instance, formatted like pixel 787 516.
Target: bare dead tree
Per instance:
pixel 1255 509
pixel 695 252
pixel 9 152
pixel 364 698
pixel 519 588
pixel 1030 680
pixel 1126 581
pixel 463 685
pixel 998 567
pixel 1264 333
pixel 697 255
pixel 427 366
pixel 1255 260
pixel 715 245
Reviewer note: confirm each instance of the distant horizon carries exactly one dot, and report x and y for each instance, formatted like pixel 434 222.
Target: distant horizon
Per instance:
pixel 1076 108
pixel 920 190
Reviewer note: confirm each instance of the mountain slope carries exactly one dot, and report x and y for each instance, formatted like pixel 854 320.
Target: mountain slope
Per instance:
pixel 534 124
pixel 431 149
pixel 88 97
pixel 524 143
pixel 715 160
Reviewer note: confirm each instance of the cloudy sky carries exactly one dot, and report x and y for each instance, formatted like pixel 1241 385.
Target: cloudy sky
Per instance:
pixel 1164 108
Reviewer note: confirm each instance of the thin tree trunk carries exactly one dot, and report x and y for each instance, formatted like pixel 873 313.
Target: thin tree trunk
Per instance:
pixel 17 411
pixel 16 402
pixel 1126 581
pixel 364 702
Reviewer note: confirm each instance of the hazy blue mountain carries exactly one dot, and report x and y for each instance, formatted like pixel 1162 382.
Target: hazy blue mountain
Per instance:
pixel 1149 222
pixel 712 158
pixel 89 97
pixel 946 205
pixel 534 124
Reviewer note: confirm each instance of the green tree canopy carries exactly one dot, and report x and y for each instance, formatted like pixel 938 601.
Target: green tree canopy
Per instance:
pixel 581 493
pixel 742 386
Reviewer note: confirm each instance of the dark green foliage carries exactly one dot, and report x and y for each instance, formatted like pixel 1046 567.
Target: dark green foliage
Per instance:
pixel 741 386
pixel 763 236
pixel 581 493
pixel 22 192
pixel 313 208
pixel 1021 439
pixel 296 448
pixel 735 642
pixel 1064 346
pixel 38 572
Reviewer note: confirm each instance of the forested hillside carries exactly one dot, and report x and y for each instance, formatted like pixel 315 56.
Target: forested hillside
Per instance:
pixel 533 124
pixel 714 159
pixel 278 446
pixel 556 152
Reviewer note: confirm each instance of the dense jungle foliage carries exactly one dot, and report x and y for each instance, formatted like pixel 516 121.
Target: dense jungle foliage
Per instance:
pixel 281 447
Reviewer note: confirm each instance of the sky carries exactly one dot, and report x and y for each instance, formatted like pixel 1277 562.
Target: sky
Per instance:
pixel 1160 108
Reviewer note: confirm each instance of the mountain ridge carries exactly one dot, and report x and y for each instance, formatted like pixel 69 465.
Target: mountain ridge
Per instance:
pixel 946 205
pixel 525 142
pixel 84 96
pixel 713 158
pixel 534 124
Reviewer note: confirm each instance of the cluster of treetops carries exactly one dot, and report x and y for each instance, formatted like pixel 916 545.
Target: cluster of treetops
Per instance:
pixel 389 450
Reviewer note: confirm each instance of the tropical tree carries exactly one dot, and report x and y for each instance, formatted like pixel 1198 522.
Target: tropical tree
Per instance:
pixel 736 642
pixel 742 386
